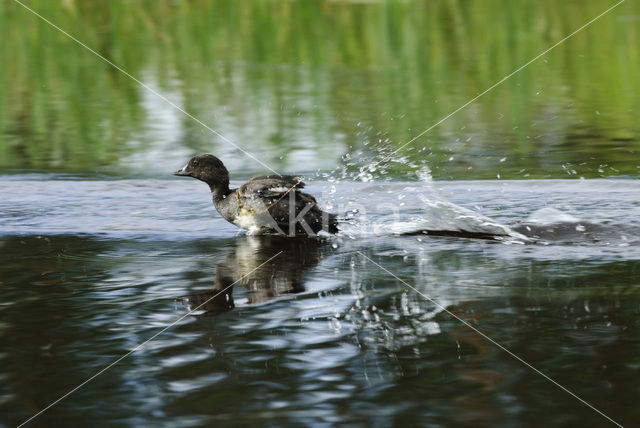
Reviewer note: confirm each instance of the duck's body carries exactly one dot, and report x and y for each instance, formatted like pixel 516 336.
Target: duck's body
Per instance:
pixel 271 204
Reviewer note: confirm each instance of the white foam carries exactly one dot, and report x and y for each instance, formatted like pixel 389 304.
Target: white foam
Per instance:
pixel 549 215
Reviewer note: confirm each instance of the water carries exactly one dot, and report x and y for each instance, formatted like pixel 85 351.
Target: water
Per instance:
pixel 302 85
pixel 321 335
pixel 101 248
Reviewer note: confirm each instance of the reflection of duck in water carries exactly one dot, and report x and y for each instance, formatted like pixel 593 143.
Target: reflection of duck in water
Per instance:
pixel 281 276
pixel 267 204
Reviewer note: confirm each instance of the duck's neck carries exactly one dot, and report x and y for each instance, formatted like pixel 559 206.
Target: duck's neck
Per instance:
pixel 219 191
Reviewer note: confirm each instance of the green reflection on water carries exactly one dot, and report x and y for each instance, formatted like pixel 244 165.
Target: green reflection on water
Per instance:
pixel 299 84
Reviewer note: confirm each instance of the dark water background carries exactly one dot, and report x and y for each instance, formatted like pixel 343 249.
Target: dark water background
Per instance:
pixel 100 248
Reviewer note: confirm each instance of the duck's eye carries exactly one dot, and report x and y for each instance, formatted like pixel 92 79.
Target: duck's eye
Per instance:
pixel 195 163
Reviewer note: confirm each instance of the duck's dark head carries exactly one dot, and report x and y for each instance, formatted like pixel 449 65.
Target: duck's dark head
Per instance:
pixel 207 168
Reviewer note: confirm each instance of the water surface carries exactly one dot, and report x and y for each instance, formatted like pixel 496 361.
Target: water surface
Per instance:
pixel 321 334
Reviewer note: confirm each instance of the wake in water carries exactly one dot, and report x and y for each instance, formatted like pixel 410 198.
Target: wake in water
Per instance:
pixel 386 208
pixel 411 209
pixel 401 208
pixel 416 209
pixel 552 225
pixel 443 218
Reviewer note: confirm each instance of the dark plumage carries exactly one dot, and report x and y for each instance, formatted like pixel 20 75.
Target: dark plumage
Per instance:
pixel 266 204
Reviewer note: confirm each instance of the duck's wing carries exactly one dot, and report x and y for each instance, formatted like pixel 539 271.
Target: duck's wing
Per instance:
pixel 270 186
pixel 280 198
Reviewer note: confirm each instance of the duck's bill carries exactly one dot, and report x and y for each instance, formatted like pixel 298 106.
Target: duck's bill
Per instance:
pixel 183 172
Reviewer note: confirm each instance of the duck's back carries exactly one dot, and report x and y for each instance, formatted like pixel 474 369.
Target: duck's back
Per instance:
pixel 274 204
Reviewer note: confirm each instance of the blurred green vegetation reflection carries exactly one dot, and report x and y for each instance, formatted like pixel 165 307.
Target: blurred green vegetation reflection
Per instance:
pixel 320 85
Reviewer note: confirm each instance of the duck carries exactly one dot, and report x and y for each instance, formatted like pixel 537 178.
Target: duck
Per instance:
pixel 269 204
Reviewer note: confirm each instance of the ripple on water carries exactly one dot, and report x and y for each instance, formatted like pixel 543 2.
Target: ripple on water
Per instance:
pixel 322 335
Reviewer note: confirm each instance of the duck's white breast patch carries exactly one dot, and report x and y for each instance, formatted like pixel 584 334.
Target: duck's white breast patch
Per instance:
pixel 247 221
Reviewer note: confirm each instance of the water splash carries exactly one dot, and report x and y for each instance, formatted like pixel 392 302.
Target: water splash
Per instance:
pixel 384 209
